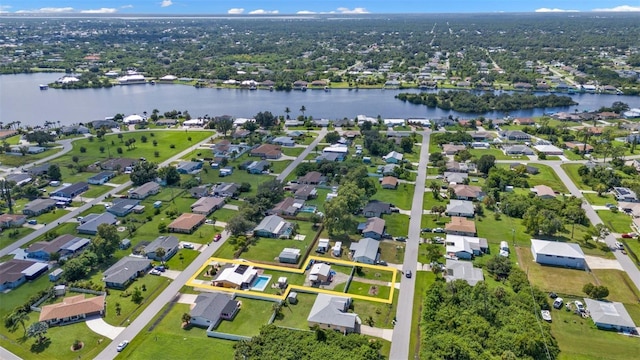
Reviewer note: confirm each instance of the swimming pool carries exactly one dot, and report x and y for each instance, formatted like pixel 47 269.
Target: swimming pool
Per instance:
pixel 261 282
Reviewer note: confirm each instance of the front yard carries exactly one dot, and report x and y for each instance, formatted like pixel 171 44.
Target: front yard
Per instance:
pixel 617 222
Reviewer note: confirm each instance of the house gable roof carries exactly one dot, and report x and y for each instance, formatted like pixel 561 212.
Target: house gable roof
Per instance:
pixel 463 270
pixel 331 310
pixel 73 306
pixel 610 313
pixel 556 248
pixel 124 269
pixel 366 247
pixel 211 306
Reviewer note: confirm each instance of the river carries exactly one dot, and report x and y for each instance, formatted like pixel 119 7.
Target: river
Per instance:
pixel 22 100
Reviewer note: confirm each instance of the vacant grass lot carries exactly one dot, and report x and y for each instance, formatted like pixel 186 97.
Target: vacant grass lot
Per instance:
pixel 397 224
pixel 618 222
pixel 620 286
pixel 292 151
pixel 424 279
pixel 392 252
pixel 265 249
pixel 572 172
pixel 188 255
pixel 401 197
pixel 594 199
pixel 382 314
pixel 169 341
pixel 429 201
pixel 252 315
pixel 19 160
pixel 8 237
pixel 130 310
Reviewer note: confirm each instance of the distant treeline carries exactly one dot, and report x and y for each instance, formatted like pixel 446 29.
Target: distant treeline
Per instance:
pixel 464 101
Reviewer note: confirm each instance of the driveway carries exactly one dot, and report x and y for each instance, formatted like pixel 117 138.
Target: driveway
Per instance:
pixel 188 299
pixel 171 274
pixel 99 326
pixel 596 262
pixel 386 334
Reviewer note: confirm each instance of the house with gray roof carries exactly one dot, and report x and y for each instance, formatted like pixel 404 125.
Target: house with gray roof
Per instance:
pixel 19 178
pixel 206 205
pixel 101 178
pixel 199 191
pixel 284 141
pixel 189 167
pixel 289 256
pixel 145 190
pixel 71 191
pixel 120 274
pixel 558 253
pixel 365 251
pixel 273 226
pixel 393 157
pixel 74 129
pixel 455 177
pixel 375 208
pixel 89 224
pixel 122 207
pixel 288 206
pixel 518 150
pixel 515 135
pixel 331 312
pixel 39 206
pixel 170 244
pixel 460 208
pixel 65 245
pixel 372 228
pixel 211 308
pixel 257 167
pixel 610 316
pixel 109 124
pixel 226 189
pixel 463 270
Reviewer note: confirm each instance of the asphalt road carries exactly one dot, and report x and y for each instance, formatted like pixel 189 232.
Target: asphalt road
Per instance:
pixel 283 175
pixel 402 331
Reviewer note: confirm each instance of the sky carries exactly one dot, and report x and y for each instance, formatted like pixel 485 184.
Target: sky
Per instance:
pixel 287 7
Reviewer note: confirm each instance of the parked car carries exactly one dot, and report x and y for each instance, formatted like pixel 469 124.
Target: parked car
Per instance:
pixel 628 236
pixel 217 237
pixel 154 272
pixel 32 222
pixel 437 240
pixel 426 230
pixel 401 238
pixel 619 245
pixel 579 306
pixel 187 246
pixel 122 345
pixel 546 315
pixel 438 230
pixel 557 303
pixel 382 263
pixel 553 295
pixel 408 274
pixel 160 268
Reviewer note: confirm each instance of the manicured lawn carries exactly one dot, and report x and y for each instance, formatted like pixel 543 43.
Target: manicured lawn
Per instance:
pixel 8 237
pixel 633 250
pixel 278 166
pixel 51 216
pixel 265 249
pixel 497 153
pixel 19 160
pixel 400 197
pixel 320 200
pixel 252 315
pixel 594 199
pixel 392 252
pixel 120 179
pixel 620 286
pixel 382 314
pixel 548 177
pixel 617 222
pixel 569 154
pixel 422 253
pixel 188 255
pixel 373 274
pixel 292 151
pixel 130 310
pixel 295 316
pixel 424 279
pixel 429 201
pixel 397 224
pixel 572 172
pixel 365 289
pixel 224 215
pixel 96 190
pixel 169 341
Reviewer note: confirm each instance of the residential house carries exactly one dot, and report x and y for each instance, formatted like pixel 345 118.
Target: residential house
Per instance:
pixel 454 166
pixel 284 141
pixel 211 308
pixel 145 190
pixel 108 124
pixel 337 149
pixel 393 157
pixel 166 122
pixel 187 223
pixel 375 208
pixel 389 182
pixel 624 194
pixel 455 177
pixel 38 170
pixel 267 151
pixel 207 205
pixel 170 244
pixel 518 150
pixel 389 170
pixel 312 178
pixel 524 121
pixel 289 256
pixel 515 135
pixel 460 208
pixel 330 157
pixel 320 273
pixel 452 149
pixel 460 226
pixel 69 192
pixel 288 206
pixel 332 312
pixel 273 226
pixel 257 167
pixel 304 192
pixel 189 167
pixel 118 164
pixel 73 309
pixel 11 220
pixel 236 276
pixel 19 178
pixel 320 122
pixel 558 254
pixel 544 192
pixel 39 206
pixel 226 171
pixel 65 245
pixel 465 247
pixel 463 270
pixel 89 224
pixel 14 272
pixel 365 251
pixel 199 191
pixel 74 129
pixel 610 316
pixel 467 192
pixel 17 150
pixel 481 136
pixel 527 168
pixel 548 149
pixel 123 207
pixel 101 178
pixel 226 190
pixel 373 228
pixel 120 274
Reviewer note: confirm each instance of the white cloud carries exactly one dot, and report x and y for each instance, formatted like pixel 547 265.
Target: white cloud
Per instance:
pixel 235 11
pixel 306 12
pixel 554 10
pixel 263 12
pixel 166 3
pixel 4 8
pixel 99 11
pixel 47 10
pixel 621 8
pixel 358 10
pixel 126 6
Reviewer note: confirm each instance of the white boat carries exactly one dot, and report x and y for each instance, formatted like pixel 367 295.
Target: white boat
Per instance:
pixel 44 87
pixel 546 315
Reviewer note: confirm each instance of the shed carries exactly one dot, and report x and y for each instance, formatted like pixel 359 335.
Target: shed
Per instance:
pixel 157 204
pixel 292 298
pixel 125 244
pixel 55 274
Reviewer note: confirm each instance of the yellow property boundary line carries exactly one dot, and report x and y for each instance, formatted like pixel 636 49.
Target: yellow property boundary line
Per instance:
pixel 289 288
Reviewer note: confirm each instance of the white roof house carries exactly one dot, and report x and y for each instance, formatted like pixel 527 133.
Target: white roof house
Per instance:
pixel 610 315
pixel 237 275
pixel 133 119
pixel 319 271
pixel 393 122
pixel 557 253
pixel 463 270
pixel 465 247
pixel 241 121
pixel 193 122
pixel 331 312
pixel 548 149
pixel 336 148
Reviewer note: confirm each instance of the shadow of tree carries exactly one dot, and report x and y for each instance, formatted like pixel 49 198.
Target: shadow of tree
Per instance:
pixel 41 346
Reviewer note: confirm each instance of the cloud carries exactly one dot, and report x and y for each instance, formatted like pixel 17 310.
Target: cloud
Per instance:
pixel 99 11
pixel 306 12
pixel 235 11
pixel 358 10
pixel 554 10
pixel 166 3
pixel 47 10
pixel 263 12
pixel 4 8
pixel 126 6
pixel 621 8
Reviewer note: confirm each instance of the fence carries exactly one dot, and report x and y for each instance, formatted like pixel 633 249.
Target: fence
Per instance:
pixel 86 291
pixel 225 336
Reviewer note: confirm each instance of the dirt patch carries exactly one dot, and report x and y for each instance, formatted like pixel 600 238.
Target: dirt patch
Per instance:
pixel 77 346
pixel 373 290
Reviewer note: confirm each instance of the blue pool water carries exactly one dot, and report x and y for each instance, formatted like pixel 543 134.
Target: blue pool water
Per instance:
pixel 261 283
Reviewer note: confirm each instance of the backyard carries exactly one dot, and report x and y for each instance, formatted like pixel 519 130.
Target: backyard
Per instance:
pixel 247 322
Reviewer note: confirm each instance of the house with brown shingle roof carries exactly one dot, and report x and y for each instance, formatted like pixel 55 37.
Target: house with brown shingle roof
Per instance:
pixel 268 151
pixel 451 149
pixel 545 192
pixel 460 226
pixel 389 182
pixel 312 178
pixel 187 223
pixel 581 146
pixel 72 309
pixel 467 192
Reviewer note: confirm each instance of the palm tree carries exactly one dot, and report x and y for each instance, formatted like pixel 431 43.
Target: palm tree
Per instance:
pixel 435 189
pixel 302 110
pixel 287 111
pixel 186 319
pixel 118 309
pixel 160 253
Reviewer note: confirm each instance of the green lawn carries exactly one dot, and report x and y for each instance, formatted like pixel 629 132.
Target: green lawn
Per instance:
pixel 572 172
pixel 633 248
pixel 373 274
pixel 169 341
pixel 397 224
pixel 252 315
pixel 9 236
pixel 620 286
pixel 19 160
pixel 381 313
pixel 265 249
pixel 188 255
pixel 51 216
pixel 499 154
pixel 548 177
pixel 295 316
pixel 569 154
pixel 428 201
pixel 224 215
pixel 401 197
pixel 292 151
pixel 594 199
pixel 617 222
pixel 392 252
pixel 365 289
pixel 424 279
pixel 130 310
pixel 96 190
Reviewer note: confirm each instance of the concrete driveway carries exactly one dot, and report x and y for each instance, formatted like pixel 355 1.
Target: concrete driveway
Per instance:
pixel 99 326
pixel 386 334
pixel 596 262
pixel 171 274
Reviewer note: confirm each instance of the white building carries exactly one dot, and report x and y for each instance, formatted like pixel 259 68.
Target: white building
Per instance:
pixel 557 254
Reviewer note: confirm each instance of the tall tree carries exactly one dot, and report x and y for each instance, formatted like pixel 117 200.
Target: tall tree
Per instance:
pixel 169 174
pixel 224 126
pixel 39 330
pixel 143 172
